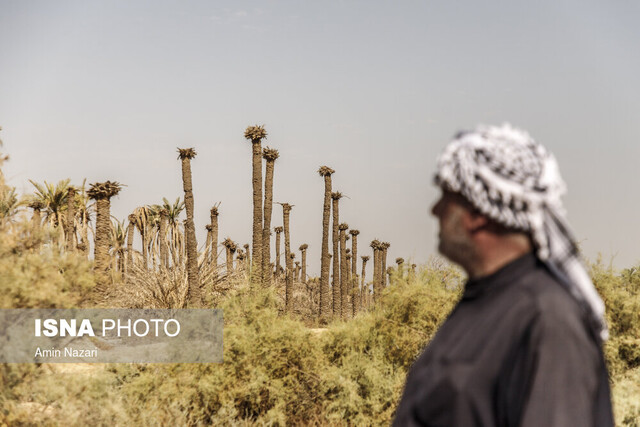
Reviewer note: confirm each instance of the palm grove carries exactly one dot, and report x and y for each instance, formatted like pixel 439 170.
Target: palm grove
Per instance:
pixel 168 269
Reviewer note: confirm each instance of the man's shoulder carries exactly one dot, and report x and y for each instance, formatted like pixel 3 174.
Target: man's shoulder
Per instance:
pixel 551 304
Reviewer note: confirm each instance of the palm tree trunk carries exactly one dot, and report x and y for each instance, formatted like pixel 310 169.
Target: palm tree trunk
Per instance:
pixel 278 267
pixel 214 235
pixel 303 250
pixel 162 237
pixel 363 287
pixel 101 248
pixel 71 216
pixel 207 246
pixel 337 291
pixel 270 156
pixel 286 209
pixel 194 295
pixel 354 272
pixel 325 292
pixel 85 233
pixel 344 272
pixel 229 260
pixel 383 263
pixel 256 244
pixel 130 231
pixel 376 270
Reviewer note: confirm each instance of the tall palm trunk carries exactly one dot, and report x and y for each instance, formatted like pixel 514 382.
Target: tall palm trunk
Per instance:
pixel 337 290
pixel 344 272
pixel 130 230
pixel 214 235
pixel 325 291
pixel 162 237
pixel 375 245
pixel 270 155
pixel 278 230
pixel 303 273
pixel 354 271
pixel 255 134
pixel 363 287
pixel 102 193
pixel 286 210
pixel 71 216
pixel 194 293
pixel 383 263
pixel 207 245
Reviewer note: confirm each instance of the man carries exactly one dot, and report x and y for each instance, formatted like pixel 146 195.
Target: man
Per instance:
pixel 523 345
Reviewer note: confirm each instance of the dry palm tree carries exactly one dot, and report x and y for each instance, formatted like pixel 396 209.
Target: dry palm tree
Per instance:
pixel 162 237
pixel 344 272
pixel 83 217
pixel 296 275
pixel 118 237
pixel 256 134
pixel 207 245
pixel 214 234
pixel 246 250
pixel 400 262
pixel 325 172
pixel 383 262
pixel 354 271
pixel 36 218
pixel 337 290
pixel 54 198
pixel 303 250
pixel 102 192
pixel 130 230
pixel 412 273
pixel 195 296
pixel 270 155
pixel 286 211
pixel 230 247
pixel 278 230
pixel 363 290
pixel 375 245
pixel 71 216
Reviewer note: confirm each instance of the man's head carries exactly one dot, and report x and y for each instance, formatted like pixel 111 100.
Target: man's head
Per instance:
pixel 502 197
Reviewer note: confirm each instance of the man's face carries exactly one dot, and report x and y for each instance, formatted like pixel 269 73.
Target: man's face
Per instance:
pixel 454 215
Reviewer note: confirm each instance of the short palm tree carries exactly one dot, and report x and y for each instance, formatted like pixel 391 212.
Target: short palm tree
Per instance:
pixel 256 134
pixel 230 247
pixel 383 262
pixel 270 155
pixel 325 291
pixel 102 192
pixel 54 198
pixel 303 250
pixel 195 296
pixel 278 231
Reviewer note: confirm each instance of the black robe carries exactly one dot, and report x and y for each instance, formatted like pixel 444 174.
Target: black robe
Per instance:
pixel 517 350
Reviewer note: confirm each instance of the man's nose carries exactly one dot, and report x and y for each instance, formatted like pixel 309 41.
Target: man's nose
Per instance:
pixel 436 208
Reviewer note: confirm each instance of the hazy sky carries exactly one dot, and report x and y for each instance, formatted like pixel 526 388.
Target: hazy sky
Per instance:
pixel 374 89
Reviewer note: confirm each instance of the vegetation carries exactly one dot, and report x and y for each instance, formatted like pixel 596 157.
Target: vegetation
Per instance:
pixel 279 367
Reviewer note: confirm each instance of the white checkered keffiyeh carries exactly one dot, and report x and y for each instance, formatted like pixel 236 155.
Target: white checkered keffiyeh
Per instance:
pixel 515 181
